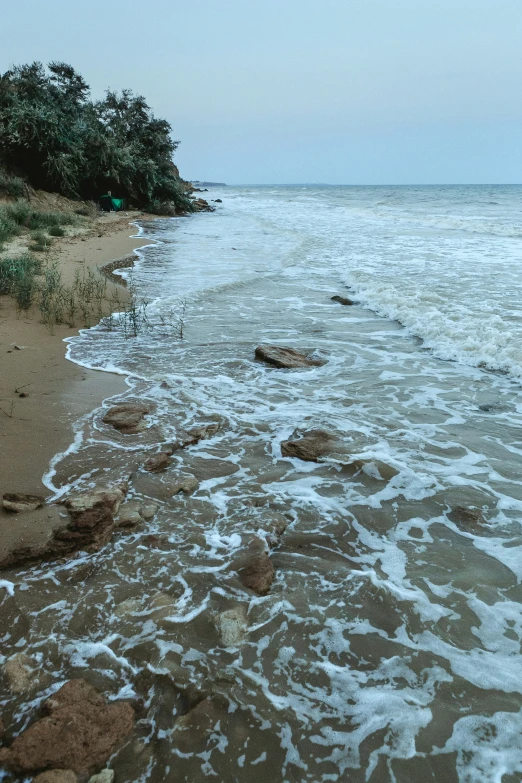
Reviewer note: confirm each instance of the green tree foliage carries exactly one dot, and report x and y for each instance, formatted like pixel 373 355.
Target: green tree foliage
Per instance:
pixel 52 133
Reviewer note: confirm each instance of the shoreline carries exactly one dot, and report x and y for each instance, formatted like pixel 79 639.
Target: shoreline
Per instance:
pixel 42 393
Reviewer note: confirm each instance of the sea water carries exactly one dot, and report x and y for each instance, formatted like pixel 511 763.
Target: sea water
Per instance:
pixel 389 647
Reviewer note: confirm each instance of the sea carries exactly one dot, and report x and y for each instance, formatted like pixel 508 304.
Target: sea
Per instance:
pixel 389 645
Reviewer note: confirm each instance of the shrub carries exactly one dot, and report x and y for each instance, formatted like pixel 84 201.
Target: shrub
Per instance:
pixel 18 279
pixel 59 138
pixel 14 187
pixel 56 231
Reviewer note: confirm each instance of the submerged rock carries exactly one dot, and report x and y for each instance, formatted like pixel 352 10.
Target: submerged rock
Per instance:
pixel 80 732
pixel 157 462
pixel 200 205
pixel 310 446
pixel 186 484
pixel 254 567
pixel 21 672
pixel 127 417
pixel 18 503
pixel 192 729
pixel 466 517
pixel 285 358
pixel 106 776
pixel 342 300
pixel 57 776
pixel 232 626
pixel 273 527
pixel 148 511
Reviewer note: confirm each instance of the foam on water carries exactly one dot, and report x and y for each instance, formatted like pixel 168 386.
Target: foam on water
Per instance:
pixel 389 646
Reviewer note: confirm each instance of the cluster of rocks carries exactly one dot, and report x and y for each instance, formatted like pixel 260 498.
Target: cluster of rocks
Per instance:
pixel 90 523
pixel 201 205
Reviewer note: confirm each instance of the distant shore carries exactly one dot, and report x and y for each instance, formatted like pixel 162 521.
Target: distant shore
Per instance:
pixel 42 393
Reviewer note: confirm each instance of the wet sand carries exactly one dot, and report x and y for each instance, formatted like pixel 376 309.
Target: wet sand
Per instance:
pixel 35 427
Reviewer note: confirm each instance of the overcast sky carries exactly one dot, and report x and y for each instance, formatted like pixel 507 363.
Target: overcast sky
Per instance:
pixel 283 91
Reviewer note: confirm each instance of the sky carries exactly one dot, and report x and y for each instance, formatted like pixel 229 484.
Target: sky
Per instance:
pixel 296 91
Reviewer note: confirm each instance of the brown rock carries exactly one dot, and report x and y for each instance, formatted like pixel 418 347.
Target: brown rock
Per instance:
pixel 467 517
pixel 91 510
pixel 127 417
pixel 80 734
pixel 342 300
pixel 187 485
pixel 274 526
pixel 148 511
pixel 2 728
pixel 129 515
pixel 18 504
pixel 200 205
pixel 204 431
pixel 91 524
pixel 157 462
pixel 286 358
pixel 255 568
pixel 310 446
pixel 21 673
pixel 56 776
pixel 156 542
pixel 192 729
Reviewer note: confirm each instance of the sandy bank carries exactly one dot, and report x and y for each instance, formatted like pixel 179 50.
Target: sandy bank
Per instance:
pixel 34 427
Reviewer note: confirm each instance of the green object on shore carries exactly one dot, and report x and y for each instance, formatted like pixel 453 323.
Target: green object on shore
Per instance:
pixel 111 204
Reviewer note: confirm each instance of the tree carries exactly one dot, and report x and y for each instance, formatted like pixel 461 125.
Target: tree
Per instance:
pixel 59 139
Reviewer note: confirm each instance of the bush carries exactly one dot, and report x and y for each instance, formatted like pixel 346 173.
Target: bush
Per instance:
pixel 18 279
pixel 59 138
pixel 14 187
pixel 56 231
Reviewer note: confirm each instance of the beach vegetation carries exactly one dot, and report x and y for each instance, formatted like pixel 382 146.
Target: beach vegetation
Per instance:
pixel 59 139
pixel 12 186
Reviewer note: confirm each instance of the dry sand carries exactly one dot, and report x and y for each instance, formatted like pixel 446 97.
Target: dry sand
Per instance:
pixel 35 427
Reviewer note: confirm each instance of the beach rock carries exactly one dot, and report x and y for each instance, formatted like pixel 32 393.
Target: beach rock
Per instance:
pixel 374 468
pixel 128 517
pixel 466 517
pixel 285 358
pixel 56 776
pixel 90 526
pixel 2 728
pixel 232 626
pixel 273 527
pixel 342 300
pixel 192 729
pixel 128 607
pixel 148 511
pixel 204 431
pixel 127 417
pixel 254 567
pixel 156 542
pixel 106 776
pixel 92 513
pixel 21 673
pixel 200 205
pixel 217 200
pixel 310 446
pixel 18 503
pixel 80 732
pixel 157 462
pixel 186 484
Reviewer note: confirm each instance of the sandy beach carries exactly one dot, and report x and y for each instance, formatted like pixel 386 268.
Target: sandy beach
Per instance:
pixel 41 392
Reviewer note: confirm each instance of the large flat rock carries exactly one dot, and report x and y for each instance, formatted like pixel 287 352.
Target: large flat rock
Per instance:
pixel 285 358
